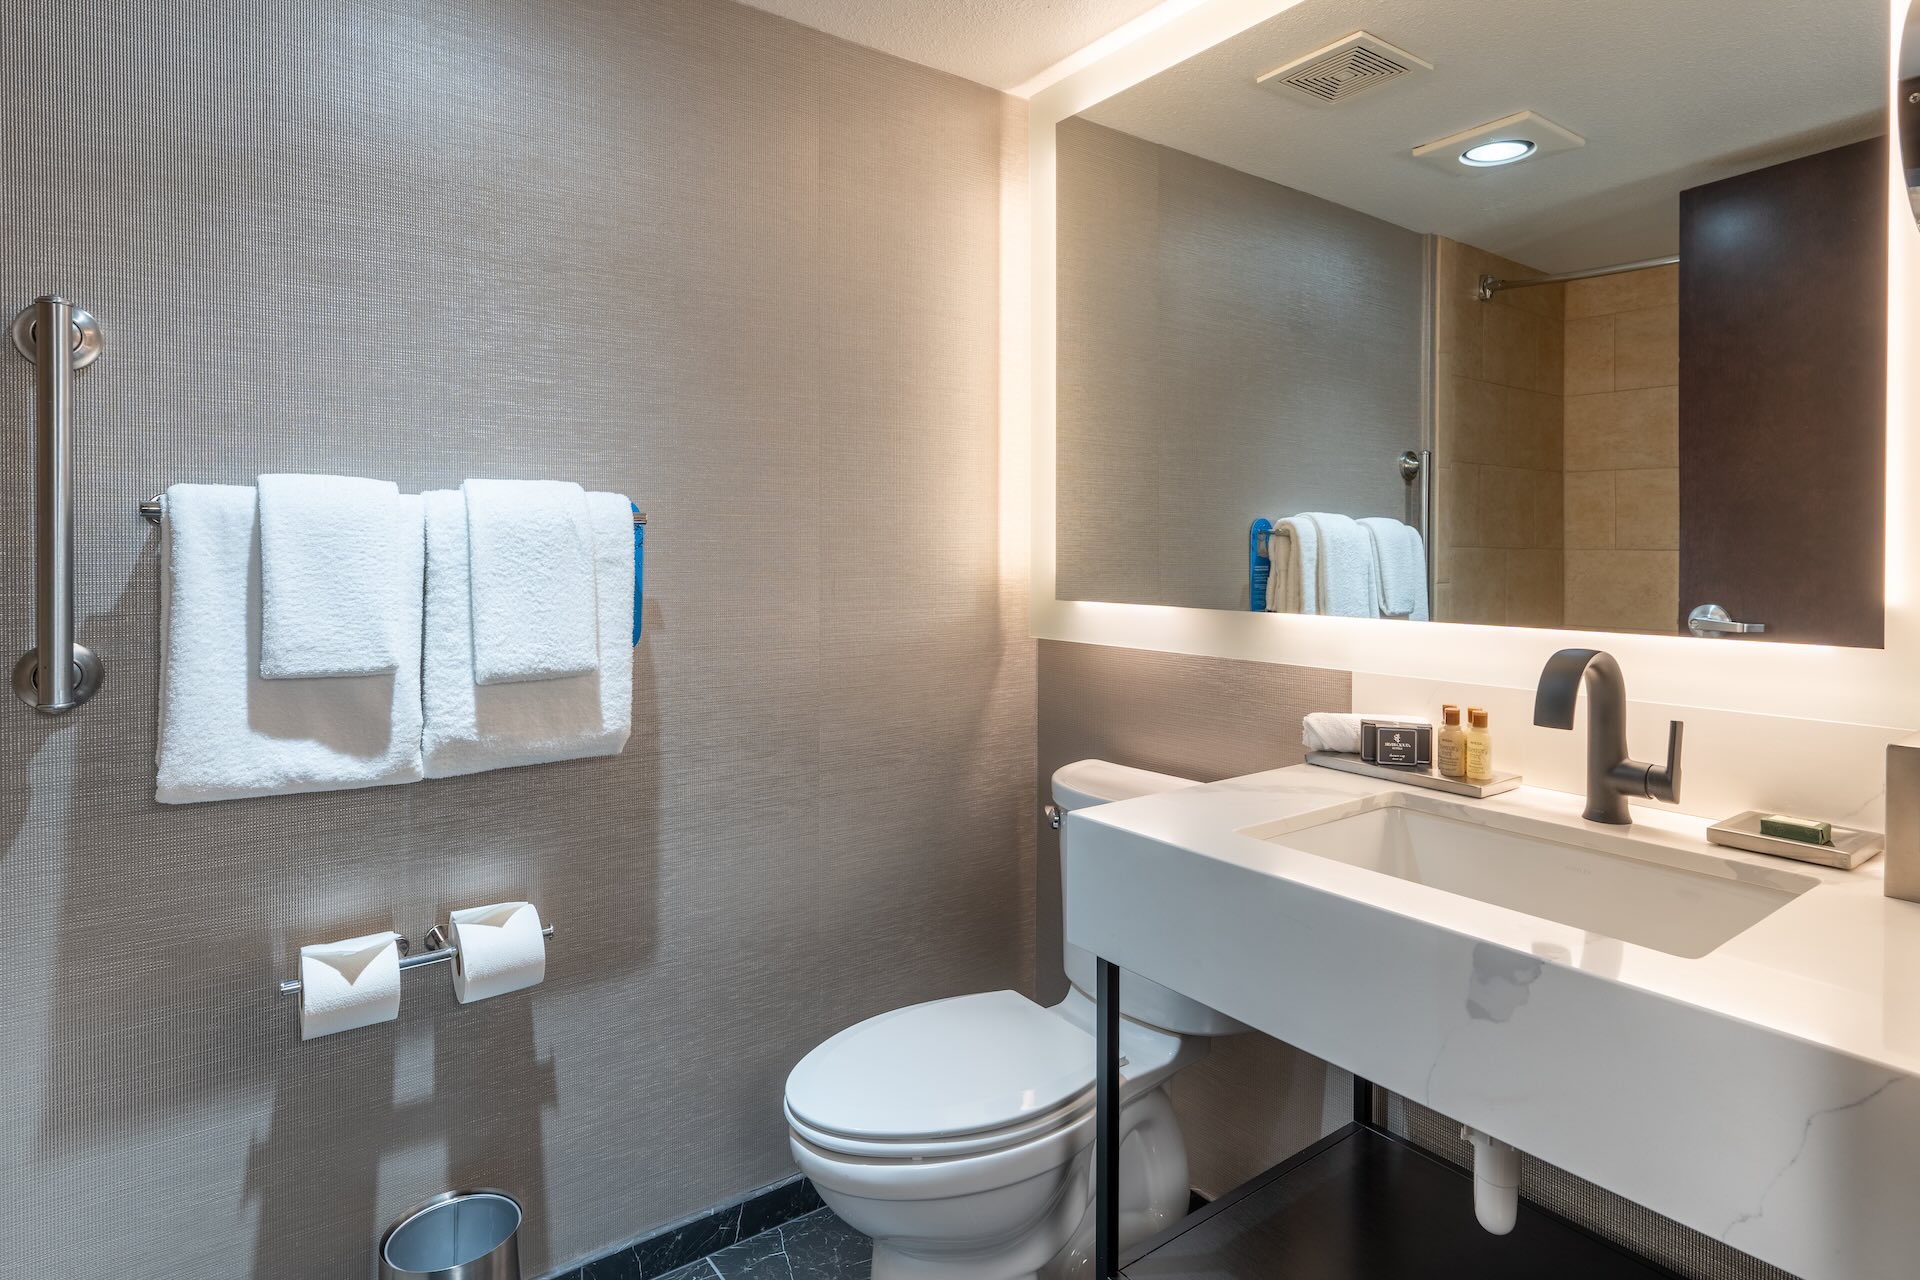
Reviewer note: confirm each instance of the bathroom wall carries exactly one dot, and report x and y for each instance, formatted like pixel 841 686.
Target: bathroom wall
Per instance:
pixel 1623 451
pixel 1252 1101
pixel 1497 428
pixel 1256 1100
pixel 1228 348
pixel 682 249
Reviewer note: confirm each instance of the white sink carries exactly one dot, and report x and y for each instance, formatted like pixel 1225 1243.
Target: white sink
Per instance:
pixel 1673 900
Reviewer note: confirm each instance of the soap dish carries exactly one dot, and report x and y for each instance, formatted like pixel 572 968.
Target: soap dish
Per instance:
pixel 1346 762
pixel 1849 849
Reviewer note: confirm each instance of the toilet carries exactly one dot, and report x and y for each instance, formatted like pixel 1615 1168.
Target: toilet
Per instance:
pixel 958 1134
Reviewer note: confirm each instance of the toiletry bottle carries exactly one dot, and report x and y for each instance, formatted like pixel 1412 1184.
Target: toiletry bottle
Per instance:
pixel 1479 746
pixel 1450 753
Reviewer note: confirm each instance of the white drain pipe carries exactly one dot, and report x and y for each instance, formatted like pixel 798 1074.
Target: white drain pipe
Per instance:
pixel 1496 1181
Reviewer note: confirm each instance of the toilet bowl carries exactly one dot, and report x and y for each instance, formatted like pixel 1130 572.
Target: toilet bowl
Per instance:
pixel 958 1134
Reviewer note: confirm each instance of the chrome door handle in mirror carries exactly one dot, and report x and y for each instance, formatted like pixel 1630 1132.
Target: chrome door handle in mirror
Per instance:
pixel 1711 621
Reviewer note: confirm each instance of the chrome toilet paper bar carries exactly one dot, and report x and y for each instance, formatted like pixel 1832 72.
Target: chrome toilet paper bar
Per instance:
pixel 439 951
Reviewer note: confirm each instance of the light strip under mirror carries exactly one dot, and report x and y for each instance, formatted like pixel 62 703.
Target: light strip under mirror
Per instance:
pixel 1859 686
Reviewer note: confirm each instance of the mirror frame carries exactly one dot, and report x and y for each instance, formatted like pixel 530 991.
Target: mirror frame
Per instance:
pixel 1860 686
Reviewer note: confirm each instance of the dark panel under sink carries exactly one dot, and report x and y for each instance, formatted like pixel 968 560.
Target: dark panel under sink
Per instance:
pixel 1362 1205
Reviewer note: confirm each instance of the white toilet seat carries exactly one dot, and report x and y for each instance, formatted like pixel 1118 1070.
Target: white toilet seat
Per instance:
pixel 1011 1135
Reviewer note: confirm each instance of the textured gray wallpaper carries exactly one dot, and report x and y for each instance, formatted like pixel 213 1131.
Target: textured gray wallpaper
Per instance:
pixel 678 248
pixel 1228 348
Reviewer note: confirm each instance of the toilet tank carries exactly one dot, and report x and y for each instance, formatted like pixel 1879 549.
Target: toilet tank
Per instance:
pixel 1082 785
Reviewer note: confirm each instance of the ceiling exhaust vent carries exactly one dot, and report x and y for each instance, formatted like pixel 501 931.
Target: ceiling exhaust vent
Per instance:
pixel 1344 68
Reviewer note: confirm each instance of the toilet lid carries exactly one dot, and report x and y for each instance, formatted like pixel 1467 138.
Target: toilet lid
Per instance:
pixel 944 1069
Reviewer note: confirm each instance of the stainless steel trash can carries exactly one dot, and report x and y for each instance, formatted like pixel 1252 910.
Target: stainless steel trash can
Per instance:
pixel 457 1235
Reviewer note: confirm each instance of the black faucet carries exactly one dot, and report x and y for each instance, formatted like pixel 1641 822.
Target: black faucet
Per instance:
pixel 1611 776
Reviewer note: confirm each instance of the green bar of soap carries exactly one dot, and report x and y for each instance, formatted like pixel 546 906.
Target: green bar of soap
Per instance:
pixel 1804 830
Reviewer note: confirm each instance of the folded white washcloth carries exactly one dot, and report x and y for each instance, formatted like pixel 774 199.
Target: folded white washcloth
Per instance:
pixel 531 554
pixel 1339 730
pixel 470 727
pixel 332 600
pixel 1348 577
pixel 1293 550
pixel 226 733
pixel 1402 563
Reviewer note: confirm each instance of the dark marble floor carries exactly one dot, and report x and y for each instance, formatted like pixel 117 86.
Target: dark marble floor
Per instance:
pixel 817 1246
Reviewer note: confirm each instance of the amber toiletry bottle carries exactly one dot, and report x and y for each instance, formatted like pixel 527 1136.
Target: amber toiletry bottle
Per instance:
pixel 1450 753
pixel 1479 746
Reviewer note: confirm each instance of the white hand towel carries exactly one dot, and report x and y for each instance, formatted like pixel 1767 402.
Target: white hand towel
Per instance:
pixel 332 596
pixel 1348 578
pixel 1293 549
pixel 225 733
pixel 350 984
pixel 1402 561
pixel 530 548
pixel 470 727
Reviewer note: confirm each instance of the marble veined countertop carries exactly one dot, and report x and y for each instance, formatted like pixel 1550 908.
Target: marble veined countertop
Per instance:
pixel 1766 1092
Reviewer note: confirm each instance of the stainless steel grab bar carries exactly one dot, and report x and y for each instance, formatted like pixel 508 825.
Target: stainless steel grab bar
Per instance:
pixel 59 338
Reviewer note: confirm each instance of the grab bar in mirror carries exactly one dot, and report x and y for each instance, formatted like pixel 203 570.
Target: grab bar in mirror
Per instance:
pixel 59 338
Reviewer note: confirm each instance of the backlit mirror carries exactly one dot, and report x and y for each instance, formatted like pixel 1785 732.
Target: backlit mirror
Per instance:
pixel 1499 313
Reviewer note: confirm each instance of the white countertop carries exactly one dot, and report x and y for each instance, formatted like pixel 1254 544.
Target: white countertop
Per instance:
pixel 1838 967
pixel 1766 1093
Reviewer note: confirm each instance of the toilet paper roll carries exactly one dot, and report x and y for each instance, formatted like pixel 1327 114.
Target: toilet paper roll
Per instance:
pixel 501 950
pixel 349 984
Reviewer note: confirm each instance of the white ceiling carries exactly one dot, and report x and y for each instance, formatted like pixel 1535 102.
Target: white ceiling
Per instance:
pixel 1667 93
pixel 1002 43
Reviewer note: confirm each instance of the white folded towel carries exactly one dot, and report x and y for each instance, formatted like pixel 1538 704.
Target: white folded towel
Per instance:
pixel 530 550
pixel 1293 550
pixel 332 600
pixel 1401 559
pixel 1322 563
pixel 1349 578
pixel 471 727
pixel 226 733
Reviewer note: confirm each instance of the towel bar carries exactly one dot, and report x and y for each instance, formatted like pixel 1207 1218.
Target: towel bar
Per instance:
pixel 439 951
pixel 150 512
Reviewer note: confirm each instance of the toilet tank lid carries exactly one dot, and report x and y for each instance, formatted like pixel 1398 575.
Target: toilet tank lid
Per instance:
pixel 1089 782
pixel 953 1067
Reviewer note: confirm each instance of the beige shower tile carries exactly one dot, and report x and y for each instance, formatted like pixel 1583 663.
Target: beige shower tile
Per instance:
pixel 1479 586
pixel 1535 588
pixel 1629 291
pixel 1531 429
pixel 1458 495
pixel 1647 508
pixel 1507 506
pixel 1646 348
pixel 1589 509
pixel 1549 509
pixel 1622 429
pixel 1521 349
pixel 1589 355
pixel 1623 590
pixel 1472 421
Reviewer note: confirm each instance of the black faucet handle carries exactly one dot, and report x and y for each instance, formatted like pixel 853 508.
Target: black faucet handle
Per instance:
pixel 1663 781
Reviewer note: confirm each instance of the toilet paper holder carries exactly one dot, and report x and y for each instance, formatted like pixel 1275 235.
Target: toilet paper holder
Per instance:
pixel 439 951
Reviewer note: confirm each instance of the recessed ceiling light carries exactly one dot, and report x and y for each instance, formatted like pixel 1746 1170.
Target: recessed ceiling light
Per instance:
pixel 1524 135
pixel 1503 151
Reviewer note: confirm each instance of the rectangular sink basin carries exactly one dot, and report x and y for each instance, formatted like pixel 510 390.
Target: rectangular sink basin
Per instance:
pixel 1672 900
